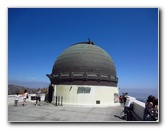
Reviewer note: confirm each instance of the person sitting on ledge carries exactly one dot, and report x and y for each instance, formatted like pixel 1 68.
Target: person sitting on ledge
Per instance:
pixel 151 109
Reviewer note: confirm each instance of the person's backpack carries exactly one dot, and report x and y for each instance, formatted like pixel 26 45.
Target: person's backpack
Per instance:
pixel 27 96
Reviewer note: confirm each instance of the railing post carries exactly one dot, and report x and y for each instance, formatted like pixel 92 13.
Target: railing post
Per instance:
pixel 56 102
pixel 61 100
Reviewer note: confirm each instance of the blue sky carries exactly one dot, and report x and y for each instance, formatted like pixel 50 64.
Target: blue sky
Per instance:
pixel 130 35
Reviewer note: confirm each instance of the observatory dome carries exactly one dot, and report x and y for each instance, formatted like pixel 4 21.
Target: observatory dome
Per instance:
pixel 84 63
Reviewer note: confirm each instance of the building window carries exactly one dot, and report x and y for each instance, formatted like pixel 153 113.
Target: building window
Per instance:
pixel 115 98
pixel 87 90
pixel 83 90
pixel 80 90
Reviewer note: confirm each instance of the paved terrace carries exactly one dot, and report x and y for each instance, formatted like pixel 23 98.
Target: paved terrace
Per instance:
pixel 51 113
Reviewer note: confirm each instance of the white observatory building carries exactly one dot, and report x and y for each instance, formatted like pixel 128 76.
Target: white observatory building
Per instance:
pixel 84 75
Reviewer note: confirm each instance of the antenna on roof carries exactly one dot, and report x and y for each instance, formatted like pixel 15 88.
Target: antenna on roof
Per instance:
pixel 90 42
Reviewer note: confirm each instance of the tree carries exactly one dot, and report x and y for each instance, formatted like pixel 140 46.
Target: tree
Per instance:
pixel 44 90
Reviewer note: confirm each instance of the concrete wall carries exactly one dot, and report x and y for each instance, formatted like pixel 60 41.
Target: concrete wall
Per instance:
pixel 73 96
pixel 138 107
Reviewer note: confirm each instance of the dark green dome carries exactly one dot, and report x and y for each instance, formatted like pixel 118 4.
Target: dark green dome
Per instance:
pixel 84 64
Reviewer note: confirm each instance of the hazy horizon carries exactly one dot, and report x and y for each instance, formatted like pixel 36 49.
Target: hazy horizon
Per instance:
pixel 29 84
pixel 132 91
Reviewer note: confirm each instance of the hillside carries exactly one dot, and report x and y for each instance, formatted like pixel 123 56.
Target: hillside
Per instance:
pixel 13 89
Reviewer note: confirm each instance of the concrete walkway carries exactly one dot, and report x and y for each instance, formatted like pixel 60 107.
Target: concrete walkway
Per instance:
pixel 51 113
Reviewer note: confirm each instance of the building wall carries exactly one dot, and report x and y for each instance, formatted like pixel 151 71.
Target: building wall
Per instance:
pixel 87 95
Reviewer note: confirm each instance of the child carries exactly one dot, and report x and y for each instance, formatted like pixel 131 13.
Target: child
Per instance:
pixel 17 96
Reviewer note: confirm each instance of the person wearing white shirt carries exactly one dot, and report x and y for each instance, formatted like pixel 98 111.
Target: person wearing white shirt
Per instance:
pixel 24 98
pixel 16 99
